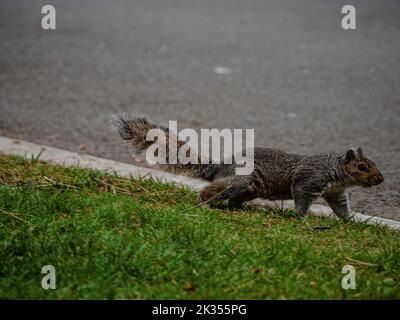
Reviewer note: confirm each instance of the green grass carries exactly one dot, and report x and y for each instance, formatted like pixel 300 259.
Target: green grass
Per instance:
pixel 112 238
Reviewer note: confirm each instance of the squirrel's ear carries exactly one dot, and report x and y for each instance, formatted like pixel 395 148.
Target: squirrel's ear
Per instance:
pixel 359 151
pixel 350 155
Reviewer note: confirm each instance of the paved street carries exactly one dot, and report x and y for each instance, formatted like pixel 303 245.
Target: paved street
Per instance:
pixel 285 68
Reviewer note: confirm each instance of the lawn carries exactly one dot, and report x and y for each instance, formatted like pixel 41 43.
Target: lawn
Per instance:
pixel 115 238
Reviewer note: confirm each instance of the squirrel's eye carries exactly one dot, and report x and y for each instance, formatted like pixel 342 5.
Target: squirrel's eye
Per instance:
pixel 362 167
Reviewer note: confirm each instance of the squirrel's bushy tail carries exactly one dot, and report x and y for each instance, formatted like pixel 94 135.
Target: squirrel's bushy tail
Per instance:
pixel 135 129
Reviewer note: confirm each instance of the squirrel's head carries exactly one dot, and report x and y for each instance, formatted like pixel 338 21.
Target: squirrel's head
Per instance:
pixel 364 172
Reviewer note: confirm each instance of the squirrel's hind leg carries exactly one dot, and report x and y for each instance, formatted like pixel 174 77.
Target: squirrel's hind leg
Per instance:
pixel 235 189
pixel 302 199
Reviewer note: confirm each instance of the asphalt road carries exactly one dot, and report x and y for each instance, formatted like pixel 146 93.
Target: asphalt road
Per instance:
pixel 302 82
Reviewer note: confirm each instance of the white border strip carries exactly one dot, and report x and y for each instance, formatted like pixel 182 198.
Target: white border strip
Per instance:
pixel 68 158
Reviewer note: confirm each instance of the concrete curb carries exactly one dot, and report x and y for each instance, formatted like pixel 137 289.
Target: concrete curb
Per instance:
pixel 68 158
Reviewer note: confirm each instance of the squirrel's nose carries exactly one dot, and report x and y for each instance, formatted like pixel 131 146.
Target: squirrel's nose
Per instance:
pixel 380 179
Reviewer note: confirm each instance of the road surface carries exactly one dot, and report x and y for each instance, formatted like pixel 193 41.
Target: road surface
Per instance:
pixel 285 68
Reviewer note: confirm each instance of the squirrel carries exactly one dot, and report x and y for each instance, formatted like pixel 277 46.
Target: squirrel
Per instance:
pixel 277 175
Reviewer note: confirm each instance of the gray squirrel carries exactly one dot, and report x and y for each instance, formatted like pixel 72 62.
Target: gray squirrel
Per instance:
pixel 277 175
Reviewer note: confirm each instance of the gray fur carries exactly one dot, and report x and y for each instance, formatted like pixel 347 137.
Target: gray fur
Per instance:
pixel 277 175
